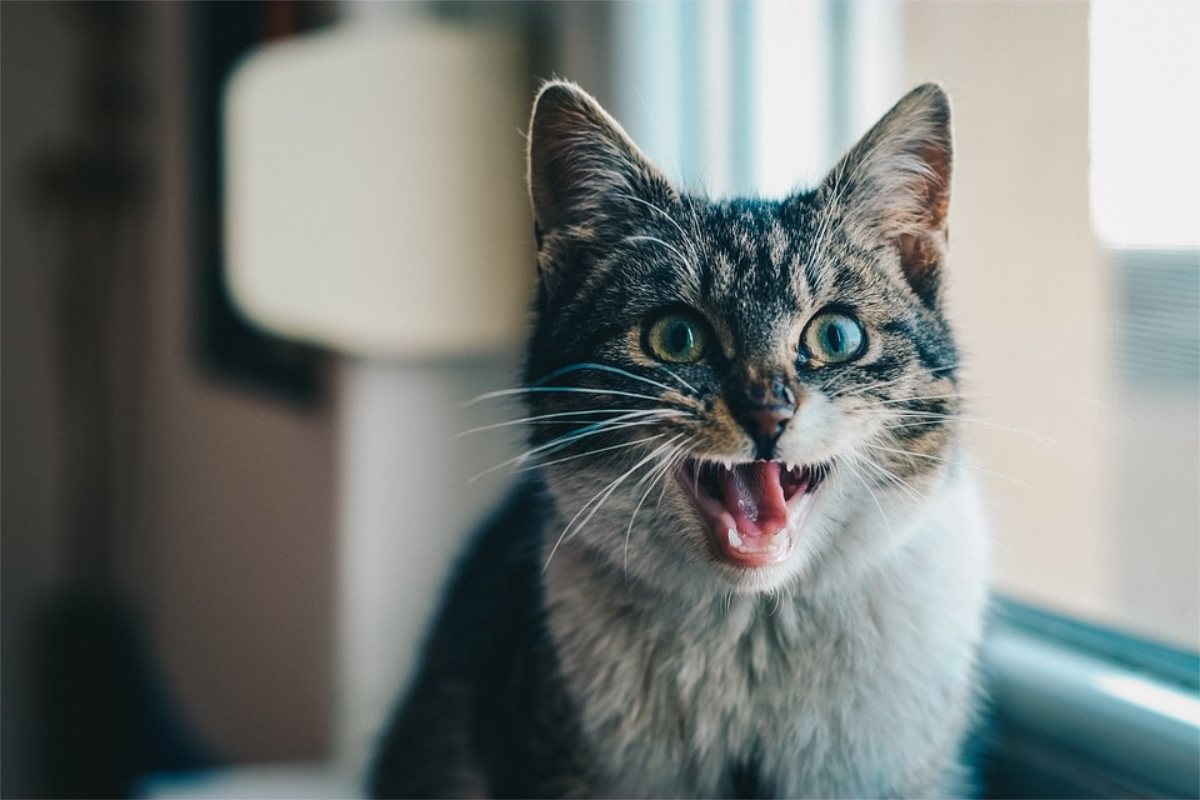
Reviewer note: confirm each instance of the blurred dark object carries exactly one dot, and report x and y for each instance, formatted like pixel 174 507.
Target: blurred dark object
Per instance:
pixel 106 716
pixel 226 342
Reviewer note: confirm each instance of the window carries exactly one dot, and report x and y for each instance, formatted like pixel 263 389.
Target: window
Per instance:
pixel 1145 108
pixel 1145 200
pixel 1082 353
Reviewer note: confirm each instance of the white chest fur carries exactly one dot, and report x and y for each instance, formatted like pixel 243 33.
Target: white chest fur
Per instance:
pixel 858 689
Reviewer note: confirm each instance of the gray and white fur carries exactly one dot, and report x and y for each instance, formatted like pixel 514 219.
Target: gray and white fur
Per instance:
pixel 595 641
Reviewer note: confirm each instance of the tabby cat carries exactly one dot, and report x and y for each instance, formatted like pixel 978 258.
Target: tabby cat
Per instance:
pixel 748 559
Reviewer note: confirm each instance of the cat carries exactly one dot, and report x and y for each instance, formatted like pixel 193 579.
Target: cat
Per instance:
pixel 749 559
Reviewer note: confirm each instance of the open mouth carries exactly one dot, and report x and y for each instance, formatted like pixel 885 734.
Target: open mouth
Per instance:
pixel 754 509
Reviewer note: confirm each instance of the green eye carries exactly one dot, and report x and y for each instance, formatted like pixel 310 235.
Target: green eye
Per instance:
pixel 677 338
pixel 833 337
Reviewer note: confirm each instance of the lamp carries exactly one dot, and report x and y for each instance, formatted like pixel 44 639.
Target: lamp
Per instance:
pixel 375 205
pixel 374 189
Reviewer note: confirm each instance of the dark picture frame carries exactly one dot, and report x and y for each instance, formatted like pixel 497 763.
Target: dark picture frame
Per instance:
pixel 225 343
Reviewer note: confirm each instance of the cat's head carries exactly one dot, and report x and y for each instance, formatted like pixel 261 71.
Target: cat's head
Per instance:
pixel 738 394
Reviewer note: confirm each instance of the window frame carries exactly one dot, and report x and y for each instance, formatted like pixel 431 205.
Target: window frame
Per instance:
pixel 1054 725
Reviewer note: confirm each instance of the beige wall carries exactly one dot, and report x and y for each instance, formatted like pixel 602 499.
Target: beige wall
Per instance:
pixel 1031 294
pixel 1108 523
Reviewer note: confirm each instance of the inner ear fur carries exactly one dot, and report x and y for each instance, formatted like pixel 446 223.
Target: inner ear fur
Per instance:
pixel 896 179
pixel 580 160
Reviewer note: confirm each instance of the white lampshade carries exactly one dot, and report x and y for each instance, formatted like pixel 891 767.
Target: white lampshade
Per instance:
pixel 375 198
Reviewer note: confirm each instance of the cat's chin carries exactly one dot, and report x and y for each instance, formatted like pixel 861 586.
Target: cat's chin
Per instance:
pixel 754 511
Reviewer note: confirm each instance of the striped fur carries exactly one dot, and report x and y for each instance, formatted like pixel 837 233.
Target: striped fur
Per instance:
pixel 655 669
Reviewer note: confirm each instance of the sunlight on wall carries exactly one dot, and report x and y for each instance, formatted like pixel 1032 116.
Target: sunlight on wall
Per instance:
pixel 1145 110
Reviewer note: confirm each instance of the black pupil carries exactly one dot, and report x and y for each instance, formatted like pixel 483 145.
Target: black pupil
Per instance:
pixel 679 337
pixel 834 337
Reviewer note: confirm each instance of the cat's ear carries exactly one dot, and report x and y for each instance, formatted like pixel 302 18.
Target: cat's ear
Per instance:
pixel 581 161
pixel 897 181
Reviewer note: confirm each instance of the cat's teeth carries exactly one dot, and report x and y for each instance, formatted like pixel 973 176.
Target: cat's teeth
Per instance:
pixel 734 539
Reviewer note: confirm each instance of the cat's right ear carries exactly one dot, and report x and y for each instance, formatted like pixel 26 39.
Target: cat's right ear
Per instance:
pixel 897 181
pixel 582 163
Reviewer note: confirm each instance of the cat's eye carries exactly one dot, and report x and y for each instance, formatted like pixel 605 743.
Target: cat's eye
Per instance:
pixel 834 337
pixel 677 337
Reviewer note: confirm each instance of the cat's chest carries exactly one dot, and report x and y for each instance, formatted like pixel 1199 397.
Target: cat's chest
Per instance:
pixel 722 708
pixel 760 699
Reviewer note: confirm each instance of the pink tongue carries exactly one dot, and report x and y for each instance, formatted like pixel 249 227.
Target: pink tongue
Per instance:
pixel 753 496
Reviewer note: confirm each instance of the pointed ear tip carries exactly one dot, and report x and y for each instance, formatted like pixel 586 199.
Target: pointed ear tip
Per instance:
pixel 932 89
pixel 934 96
pixel 558 92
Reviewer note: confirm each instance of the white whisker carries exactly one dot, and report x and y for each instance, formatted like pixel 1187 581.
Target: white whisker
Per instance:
pixel 653 207
pixel 599 499
pixel 562 441
pixel 629 412
pixel 660 472
pixel 931 418
pixel 605 368
pixel 857 391
pixel 918 399
pixel 671 247
pixel 664 368
pixel 948 461
pixel 569 389
pixel 851 463
pixel 540 464
pixel 892 479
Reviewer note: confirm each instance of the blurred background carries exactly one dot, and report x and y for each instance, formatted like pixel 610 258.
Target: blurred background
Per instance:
pixel 255 257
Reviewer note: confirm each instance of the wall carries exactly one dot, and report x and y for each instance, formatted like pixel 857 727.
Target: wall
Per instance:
pixel 237 548
pixel 36 61
pixel 1102 521
pixel 1029 290
pixel 226 548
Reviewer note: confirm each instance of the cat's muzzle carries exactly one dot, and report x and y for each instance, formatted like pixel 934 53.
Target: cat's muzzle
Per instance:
pixel 753 510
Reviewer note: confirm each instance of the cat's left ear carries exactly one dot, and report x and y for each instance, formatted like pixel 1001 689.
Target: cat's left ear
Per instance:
pixel 582 163
pixel 897 181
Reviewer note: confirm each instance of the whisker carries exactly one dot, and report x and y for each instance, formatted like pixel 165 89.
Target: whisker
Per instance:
pixel 672 373
pixel 678 458
pixel 605 368
pixel 919 399
pixel 973 421
pixel 561 442
pixel 613 487
pixel 653 207
pixel 671 247
pixel 536 389
pixel 974 395
pixel 892 479
pixel 852 462
pixel 661 472
pixel 629 412
pixel 665 460
pixel 599 499
pixel 861 390
pixel 540 464
pixel 949 461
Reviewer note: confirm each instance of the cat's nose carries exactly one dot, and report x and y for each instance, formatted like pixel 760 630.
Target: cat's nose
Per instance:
pixel 764 410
